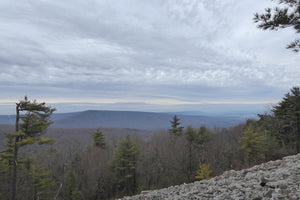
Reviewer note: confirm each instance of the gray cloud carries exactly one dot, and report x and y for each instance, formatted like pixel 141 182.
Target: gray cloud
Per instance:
pixel 185 50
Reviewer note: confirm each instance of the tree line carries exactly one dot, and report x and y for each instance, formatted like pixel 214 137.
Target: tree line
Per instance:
pixel 108 169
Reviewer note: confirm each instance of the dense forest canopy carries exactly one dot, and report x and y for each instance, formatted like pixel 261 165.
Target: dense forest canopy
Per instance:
pixel 109 167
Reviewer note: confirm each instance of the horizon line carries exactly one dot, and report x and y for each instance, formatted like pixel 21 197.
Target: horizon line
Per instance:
pixel 163 102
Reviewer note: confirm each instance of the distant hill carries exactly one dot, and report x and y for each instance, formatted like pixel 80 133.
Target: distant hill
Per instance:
pixel 132 120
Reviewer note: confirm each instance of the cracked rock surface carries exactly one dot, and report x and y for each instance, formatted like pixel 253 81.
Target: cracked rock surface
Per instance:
pixel 278 179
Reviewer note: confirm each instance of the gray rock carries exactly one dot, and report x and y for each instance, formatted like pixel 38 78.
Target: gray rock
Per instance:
pixel 280 178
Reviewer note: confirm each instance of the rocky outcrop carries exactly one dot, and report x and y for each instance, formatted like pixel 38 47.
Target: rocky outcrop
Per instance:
pixel 278 179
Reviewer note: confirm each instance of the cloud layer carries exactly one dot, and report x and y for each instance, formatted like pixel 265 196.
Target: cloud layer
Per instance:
pixel 133 50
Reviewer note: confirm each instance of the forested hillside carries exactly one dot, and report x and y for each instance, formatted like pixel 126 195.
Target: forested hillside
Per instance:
pixel 132 96
pixel 272 180
pixel 110 163
pixel 82 136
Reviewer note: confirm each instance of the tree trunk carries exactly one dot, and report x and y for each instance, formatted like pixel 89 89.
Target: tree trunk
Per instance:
pixel 57 193
pixel 14 175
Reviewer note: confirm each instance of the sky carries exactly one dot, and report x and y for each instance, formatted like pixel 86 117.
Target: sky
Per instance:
pixel 143 55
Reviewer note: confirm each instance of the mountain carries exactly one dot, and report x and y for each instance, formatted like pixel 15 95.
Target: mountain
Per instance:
pixel 131 119
pixel 7 119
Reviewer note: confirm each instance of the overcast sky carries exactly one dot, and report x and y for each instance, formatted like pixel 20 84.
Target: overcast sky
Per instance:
pixel 151 55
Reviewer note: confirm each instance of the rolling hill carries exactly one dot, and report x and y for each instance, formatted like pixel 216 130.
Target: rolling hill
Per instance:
pixel 132 120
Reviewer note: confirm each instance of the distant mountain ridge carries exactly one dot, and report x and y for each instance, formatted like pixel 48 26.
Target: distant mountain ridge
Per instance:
pixel 131 119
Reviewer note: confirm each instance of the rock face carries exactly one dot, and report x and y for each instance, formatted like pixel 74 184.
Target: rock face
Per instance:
pixel 278 179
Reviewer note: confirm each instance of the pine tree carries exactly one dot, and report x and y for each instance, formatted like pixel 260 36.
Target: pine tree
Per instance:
pixel 71 187
pixel 281 17
pixel 43 183
pixel 6 156
pixel 99 139
pixel 35 118
pixel 195 140
pixel 124 164
pixel 252 143
pixel 273 127
pixel 6 166
pixel 176 129
pixel 203 136
pixel 288 112
pixel 191 136
pixel 203 172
